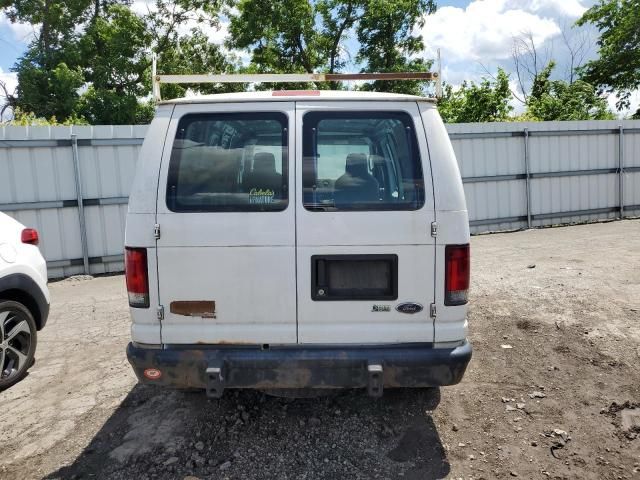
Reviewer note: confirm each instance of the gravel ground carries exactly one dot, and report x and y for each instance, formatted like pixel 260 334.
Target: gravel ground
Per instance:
pixel 562 402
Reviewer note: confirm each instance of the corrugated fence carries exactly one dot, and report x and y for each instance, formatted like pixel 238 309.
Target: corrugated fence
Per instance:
pixel 519 175
pixel 72 183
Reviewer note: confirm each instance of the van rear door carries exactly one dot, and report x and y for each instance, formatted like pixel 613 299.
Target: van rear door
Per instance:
pixel 366 257
pixel 225 210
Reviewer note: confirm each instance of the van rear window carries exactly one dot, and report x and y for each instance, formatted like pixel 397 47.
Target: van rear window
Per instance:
pixel 366 160
pixel 229 162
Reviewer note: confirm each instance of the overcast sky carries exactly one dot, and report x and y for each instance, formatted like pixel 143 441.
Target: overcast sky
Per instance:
pixel 474 35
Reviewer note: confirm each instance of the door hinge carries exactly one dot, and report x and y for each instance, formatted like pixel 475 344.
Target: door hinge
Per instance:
pixel 432 310
pixel 434 229
pixel 156 231
pixel 160 312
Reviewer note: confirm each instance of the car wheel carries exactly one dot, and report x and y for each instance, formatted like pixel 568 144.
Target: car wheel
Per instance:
pixel 18 339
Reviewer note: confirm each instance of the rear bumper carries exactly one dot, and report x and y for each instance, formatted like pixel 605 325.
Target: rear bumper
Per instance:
pixel 217 367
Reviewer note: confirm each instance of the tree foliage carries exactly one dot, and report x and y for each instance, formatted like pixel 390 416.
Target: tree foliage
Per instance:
pixel 617 68
pixel 548 99
pixel 561 100
pixel 281 35
pixel 29 119
pixel 313 35
pixel 112 49
pixel 47 73
pixel 487 101
pixel 389 43
pixel 91 59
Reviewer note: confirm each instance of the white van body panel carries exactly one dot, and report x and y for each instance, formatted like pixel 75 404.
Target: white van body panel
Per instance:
pixel 267 254
pixel 142 198
pixel 141 218
pixel 447 184
pixel 452 219
pixel 355 322
pixel 255 298
pixel 406 234
pixel 228 258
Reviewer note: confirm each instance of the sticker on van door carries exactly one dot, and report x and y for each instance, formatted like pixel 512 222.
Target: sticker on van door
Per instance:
pixel 259 196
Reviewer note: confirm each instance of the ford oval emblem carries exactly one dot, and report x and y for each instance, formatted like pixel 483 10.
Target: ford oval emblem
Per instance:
pixel 409 307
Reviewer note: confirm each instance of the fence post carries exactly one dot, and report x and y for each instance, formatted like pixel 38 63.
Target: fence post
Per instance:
pixel 621 169
pixel 527 175
pixel 80 198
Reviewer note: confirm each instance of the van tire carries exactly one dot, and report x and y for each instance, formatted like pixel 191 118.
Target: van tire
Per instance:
pixel 16 354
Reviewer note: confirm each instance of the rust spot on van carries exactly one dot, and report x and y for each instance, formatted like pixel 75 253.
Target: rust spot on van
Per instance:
pixel 194 308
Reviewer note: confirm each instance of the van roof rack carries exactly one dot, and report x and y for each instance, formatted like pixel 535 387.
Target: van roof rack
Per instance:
pixel 157 80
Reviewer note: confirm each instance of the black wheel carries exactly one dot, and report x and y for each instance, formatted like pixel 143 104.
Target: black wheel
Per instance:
pixel 18 339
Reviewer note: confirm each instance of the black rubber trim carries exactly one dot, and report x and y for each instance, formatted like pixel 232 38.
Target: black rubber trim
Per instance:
pixel 25 284
pixel 404 365
pixel 320 278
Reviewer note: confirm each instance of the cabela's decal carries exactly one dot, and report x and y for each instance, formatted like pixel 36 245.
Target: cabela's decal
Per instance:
pixel 381 308
pixel 261 196
pixel 409 307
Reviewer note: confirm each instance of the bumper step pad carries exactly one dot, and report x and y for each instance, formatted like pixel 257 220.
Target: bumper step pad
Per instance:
pixel 215 382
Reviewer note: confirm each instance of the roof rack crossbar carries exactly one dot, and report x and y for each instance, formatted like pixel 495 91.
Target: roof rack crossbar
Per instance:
pixel 290 78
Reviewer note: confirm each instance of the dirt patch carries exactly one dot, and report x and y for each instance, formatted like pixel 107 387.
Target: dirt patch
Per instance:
pixel 626 418
pixel 525 325
pixel 561 403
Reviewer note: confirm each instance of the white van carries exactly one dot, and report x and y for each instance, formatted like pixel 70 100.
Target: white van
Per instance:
pixel 298 240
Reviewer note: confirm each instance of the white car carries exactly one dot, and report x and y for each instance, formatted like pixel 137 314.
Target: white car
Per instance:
pixel 24 299
pixel 298 240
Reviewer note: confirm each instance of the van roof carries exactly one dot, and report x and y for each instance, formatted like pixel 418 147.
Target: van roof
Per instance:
pixel 291 95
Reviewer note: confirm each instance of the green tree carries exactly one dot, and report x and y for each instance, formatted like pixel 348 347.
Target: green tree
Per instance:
pixel 281 35
pixel 47 73
pixel 47 92
pixel 29 119
pixel 617 68
pixel 388 43
pixel 311 36
pixel 292 36
pixel 561 100
pixel 117 49
pixel 487 101
pixel 194 53
pixel 92 58
pixel 113 51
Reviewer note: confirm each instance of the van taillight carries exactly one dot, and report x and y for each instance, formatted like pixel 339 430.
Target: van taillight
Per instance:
pixel 30 236
pixel 457 264
pixel 135 264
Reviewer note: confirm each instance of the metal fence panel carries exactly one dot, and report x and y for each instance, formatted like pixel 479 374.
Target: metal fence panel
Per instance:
pixel 573 169
pixel 38 188
pixel 514 175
